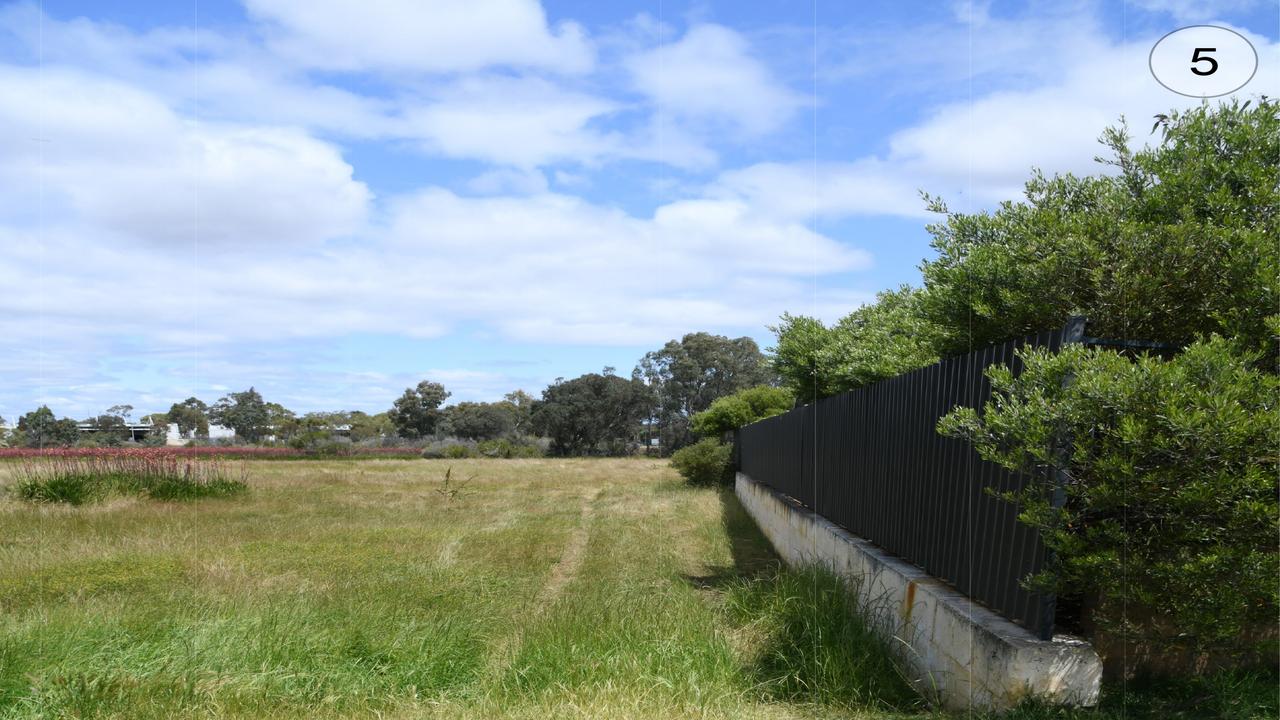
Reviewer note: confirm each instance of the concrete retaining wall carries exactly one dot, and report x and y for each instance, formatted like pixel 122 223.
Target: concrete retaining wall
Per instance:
pixel 958 651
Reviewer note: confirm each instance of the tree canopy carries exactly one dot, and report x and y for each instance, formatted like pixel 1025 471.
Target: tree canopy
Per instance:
pixel 191 416
pixel 245 412
pixel 744 407
pixel 416 413
pixel 39 428
pixel 595 414
pixel 480 421
pixel 1176 241
pixel 689 374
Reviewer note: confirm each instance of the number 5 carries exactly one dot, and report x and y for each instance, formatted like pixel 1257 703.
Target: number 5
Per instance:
pixel 1197 57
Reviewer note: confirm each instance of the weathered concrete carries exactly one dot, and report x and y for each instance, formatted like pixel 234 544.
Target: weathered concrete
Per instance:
pixel 958 651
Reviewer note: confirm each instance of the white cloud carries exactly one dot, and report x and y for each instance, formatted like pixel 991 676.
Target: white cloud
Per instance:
pixel 513 119
pixel 431 36
pixel 518 121
pixel 504 181
pixel 980 152
pixel 1195 10
pixel 123 163
pixel 710 79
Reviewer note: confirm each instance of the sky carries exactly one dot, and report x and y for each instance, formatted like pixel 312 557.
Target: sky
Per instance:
pixel 331 201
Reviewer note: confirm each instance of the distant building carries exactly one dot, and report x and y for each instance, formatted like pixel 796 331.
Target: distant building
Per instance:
pixel 137 431
pixel 216 432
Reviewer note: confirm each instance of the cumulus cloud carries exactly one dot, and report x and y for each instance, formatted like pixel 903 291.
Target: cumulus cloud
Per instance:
pixel 422 36
pixel 517 121
pixel 709 77
pixel 979 152
pixel 121 161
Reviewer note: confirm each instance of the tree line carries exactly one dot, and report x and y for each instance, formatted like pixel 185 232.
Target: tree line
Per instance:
pixel 593 414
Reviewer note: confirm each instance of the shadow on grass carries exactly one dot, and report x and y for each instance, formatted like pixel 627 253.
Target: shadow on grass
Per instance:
pixel 810 645
pixel 753 556
pixel 800 631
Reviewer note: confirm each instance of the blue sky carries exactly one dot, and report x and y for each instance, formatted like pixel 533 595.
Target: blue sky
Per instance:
pixel 331 201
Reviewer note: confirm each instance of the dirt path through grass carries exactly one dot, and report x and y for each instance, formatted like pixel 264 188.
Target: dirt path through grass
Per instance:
pixel 562 573
pixel 566 569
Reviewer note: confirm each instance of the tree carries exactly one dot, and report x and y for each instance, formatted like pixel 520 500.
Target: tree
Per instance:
pixel 689 374
pixel 368 427
pixel 1179 243
pixel 742 408
pixel 245 412
pixel 479 421
pixel 108 429
pixel 520 404
pixel 417 412
pixel 874 342
pixel 595 414
pixel 191 417
pixel 39 428
pixel 282 421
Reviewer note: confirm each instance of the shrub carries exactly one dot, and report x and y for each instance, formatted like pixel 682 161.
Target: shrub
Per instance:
pixel 705 462
pixel 1177 243
pixel 742 408
pixel 877 341
pixel 508 449
pixel 1171 503
pixel 79 480
pixel 449 448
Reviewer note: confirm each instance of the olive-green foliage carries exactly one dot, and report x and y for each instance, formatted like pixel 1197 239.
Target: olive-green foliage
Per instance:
pixel 191 416
pixel 1180 242
pixel 416 413
pixel 506 448
pixel 593 414
pixel 874 342
pixel 480 421
pixel 449 448
pixel 742 408
pixel 1171 508
pixel 689 374
pixel 245 412
pixel 705 462
pixel 39 428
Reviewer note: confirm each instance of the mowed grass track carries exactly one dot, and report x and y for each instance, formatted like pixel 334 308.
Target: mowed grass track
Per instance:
pixel 546 588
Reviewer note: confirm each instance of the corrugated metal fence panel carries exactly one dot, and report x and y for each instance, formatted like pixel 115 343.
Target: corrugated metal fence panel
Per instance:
pixel 872 461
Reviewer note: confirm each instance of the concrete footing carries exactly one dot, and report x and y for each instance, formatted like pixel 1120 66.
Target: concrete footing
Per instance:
pixel 957 651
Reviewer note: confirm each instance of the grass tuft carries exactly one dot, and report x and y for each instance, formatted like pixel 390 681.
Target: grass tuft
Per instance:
pixel 77 481
pixel 813 645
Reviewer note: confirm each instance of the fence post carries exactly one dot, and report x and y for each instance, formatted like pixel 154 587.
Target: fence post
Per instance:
pixel 1060 453
pixel 736 457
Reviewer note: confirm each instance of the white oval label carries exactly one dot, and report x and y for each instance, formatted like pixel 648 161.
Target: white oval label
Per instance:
pixel 1203 61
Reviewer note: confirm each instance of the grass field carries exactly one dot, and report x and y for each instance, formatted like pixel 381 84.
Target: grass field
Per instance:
pixel 543 588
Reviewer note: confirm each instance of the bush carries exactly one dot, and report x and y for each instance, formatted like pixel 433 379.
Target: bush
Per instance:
pixel 877 341
pixel 508 449
pixel 1171 504
pixel 1177 243
pixel 705 462
pixel 450 449
pixel 742 408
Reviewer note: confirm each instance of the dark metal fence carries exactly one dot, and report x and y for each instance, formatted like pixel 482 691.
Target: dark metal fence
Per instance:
pixel 872 461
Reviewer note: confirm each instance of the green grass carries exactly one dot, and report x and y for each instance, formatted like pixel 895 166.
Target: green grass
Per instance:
pixel 544 588
pixel 78 481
